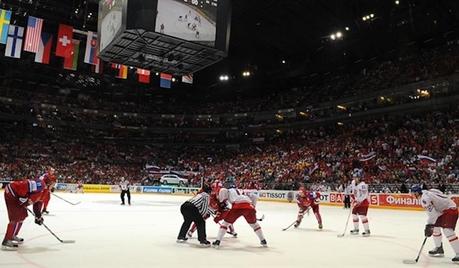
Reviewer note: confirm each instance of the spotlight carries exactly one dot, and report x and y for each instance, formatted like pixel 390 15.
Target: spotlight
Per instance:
pixel 246 74
pixel 224 77
pixel 283 62
pixel 397 2
pixel 173 79
pixel 339 35
pixel 347 28
pixel 333 37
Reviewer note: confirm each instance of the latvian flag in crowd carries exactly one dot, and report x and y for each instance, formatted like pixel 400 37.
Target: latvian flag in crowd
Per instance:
pixel 144 75
pixel 33 34
pixel 71 62
pixel 91 49
pixel 44 48
pixel 122 70
pixel 5 17
pixel 14 41
pixel 367 157
pixel 64 45
pixel 165 80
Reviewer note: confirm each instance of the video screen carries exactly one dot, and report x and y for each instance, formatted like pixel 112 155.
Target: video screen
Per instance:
pixel 191 20
pixel 110 20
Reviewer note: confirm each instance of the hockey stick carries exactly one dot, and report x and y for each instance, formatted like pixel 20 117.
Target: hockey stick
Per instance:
pixel 419 254
pixel 262 218
pixel 288 227
pixel 347 223
pixel 73 204
pixel 49 230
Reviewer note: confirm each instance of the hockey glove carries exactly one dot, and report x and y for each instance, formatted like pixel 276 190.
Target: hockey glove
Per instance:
pixel 53 189
pixel 428 231
pixel 39 220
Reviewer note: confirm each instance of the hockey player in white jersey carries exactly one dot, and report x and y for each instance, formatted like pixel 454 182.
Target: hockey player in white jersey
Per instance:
pixel 442 214
pixel 241 205
pixel 360 206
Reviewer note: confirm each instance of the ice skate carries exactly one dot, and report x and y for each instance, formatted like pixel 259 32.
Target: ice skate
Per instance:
pixel 366 233
pixel 216 244
pixel 321 226
pixel 438 252
pixel 182 240
pixel 205 244
pixel 18 240
pixel 355 232
pixel 9 245
pixel 264 243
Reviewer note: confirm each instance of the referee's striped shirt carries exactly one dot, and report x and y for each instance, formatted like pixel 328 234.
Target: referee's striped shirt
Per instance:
pixel 201 202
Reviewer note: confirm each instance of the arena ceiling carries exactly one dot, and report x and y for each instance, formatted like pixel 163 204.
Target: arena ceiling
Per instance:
pixel 267 32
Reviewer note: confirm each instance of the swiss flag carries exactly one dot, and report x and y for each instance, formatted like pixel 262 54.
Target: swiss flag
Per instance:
pixel 64 46
pixel 144 75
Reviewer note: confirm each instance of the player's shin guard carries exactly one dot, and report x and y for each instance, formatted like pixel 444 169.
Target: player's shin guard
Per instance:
pixel 10 231
pixel 257 229
pixel 299 218
pixel 319 218
pixel 437 237
pixel 452 238
pixel 192 230
pixel 355 220
pixel 222 231
pixel 365 224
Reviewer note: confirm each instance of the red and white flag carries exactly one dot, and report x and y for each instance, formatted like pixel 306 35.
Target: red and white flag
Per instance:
pixel 33 34
pixel 64 46
pixel 144 75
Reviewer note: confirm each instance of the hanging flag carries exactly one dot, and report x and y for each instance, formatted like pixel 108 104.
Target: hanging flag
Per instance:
pixel 97 67
pixel 71 63
pixel 33 34
pixel 14 41
pixel 5 17
pixel 165 80
pixel 122 70
pixel 91 48
pixel 188 79
pixel 64 45
pixel 44 48
pixel 144 75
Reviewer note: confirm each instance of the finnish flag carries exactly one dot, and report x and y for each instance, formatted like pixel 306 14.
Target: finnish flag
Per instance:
pixel 14 41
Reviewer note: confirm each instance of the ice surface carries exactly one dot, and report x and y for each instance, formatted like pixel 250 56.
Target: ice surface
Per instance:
pixel 168 14
pixel 143 235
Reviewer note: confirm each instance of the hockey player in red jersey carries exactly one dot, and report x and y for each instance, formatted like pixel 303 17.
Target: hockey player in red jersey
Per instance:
pixel 307 200
pixel 19 195
pixel 442 214
pixel 221 209
pixel 50 174
pixel 360 206
pixel 241 205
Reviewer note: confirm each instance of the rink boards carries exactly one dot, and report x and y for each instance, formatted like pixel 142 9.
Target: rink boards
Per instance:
pixel 377 200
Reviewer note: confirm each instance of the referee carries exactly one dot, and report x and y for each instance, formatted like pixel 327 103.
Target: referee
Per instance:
pixel 194 210
pixel 124 185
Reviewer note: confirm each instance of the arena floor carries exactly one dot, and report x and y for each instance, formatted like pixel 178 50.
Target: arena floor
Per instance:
pixel 143 235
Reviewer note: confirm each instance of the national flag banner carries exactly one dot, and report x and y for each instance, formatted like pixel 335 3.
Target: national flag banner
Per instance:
pixel 44 48
pixel 165 80
pixel 91 48
pixel 144 75
pixel 426 159
pixel 64 45
pixel 97 67
pixel 5 17
pixel 14 41
pixel 122 70
pixel 33 34
pixel 188 79
pixel 367 157
pixel 71 63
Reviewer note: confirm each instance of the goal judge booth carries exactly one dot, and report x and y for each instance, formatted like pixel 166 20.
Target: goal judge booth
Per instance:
pixel 195 210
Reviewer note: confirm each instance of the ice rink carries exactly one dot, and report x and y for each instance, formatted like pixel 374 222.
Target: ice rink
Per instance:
pixel 144 234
